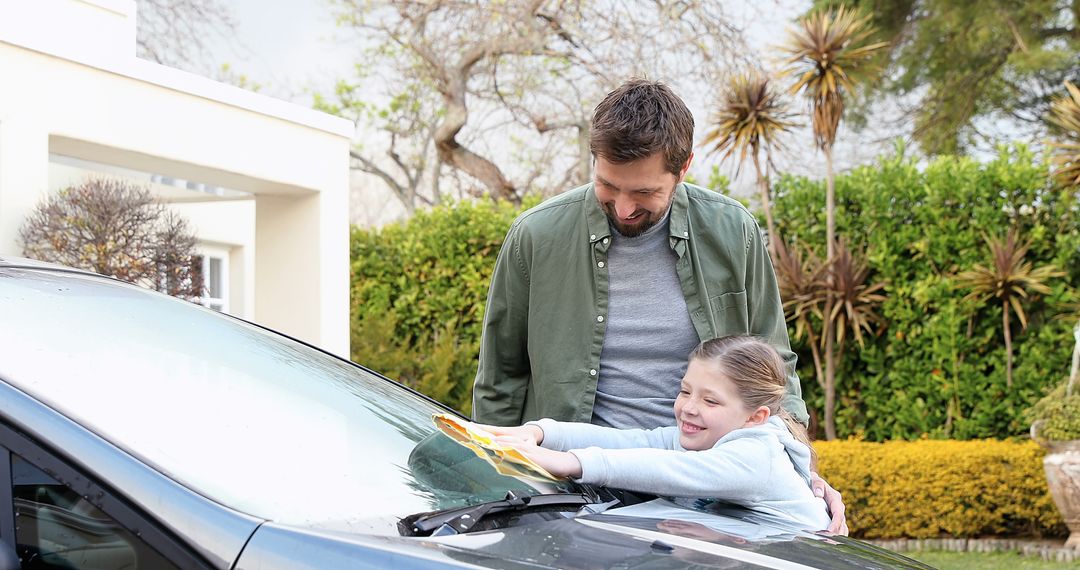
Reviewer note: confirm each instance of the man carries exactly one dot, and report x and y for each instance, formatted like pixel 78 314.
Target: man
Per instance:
pixel 600 294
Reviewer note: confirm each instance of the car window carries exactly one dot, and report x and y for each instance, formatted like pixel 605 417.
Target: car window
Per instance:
pixel 55 527
pixel 251 419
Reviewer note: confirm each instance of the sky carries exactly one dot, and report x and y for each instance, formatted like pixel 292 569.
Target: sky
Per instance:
pixel 290 47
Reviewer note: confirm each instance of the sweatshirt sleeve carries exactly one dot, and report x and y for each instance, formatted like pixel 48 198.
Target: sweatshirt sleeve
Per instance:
pixel 564 436
pixel 739 469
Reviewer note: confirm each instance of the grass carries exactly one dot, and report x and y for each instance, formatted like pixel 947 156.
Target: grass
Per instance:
pixel 987 561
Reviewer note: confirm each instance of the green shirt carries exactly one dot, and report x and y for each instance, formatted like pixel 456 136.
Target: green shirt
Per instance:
pixel 545 318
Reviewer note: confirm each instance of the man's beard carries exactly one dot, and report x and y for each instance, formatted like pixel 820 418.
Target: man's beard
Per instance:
pixel 651 219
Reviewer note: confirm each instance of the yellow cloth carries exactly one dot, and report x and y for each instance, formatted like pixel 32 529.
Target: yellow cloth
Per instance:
pixel 506 460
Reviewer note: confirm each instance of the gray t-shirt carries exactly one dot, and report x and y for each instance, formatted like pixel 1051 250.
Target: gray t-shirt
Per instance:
pixel 649 333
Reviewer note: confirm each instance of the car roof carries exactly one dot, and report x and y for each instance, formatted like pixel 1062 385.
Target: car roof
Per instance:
pixel 27 263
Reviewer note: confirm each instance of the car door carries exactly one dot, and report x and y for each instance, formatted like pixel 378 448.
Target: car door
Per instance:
pixel 54 516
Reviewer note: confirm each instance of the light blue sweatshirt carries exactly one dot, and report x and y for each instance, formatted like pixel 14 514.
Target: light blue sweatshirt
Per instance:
pixel 763 468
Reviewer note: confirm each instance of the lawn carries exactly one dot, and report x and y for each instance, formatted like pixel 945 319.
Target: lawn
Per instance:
pixel 987 561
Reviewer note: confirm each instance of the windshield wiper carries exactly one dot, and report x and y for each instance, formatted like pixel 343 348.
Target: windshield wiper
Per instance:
pixel 462 519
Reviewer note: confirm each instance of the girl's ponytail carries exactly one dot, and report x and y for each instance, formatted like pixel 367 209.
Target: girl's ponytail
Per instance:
pixel 798 430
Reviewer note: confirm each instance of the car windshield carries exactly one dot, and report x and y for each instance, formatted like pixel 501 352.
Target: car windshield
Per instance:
pixel 249 418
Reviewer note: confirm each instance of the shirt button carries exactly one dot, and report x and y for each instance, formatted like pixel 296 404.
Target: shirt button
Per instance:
pixel 592 236
pixel 600 318
pixel 686 234
pixel 606 240
pixel 600 264
pixel 592 372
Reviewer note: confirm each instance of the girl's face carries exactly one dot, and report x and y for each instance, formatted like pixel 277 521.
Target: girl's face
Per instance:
pixel 708 407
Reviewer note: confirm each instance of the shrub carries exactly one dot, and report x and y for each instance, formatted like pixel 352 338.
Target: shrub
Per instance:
pixel 1058 414
pixel 118 229
pixel 418 294
pixel 928 488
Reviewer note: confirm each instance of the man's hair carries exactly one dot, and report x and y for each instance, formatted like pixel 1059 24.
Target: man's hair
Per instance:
pixel 640 118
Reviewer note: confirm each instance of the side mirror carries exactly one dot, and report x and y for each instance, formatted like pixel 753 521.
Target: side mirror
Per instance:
pixel 9 559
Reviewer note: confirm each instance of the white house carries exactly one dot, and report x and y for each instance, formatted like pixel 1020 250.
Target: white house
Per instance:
pixel 264 182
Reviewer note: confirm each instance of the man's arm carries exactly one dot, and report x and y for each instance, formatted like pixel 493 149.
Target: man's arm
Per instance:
pixel 766 315
pixel 503 372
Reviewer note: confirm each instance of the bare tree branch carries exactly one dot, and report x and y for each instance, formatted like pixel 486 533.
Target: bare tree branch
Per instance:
pixel 176 32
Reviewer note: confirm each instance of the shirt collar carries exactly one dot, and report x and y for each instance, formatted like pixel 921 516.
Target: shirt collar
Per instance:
pixel 678 225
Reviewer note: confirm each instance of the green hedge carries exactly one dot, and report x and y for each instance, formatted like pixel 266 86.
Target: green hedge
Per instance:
pixel 938 368
pixel 418 292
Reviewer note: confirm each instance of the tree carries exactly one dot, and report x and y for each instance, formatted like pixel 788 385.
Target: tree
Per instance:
pixel 116 228
pixel 829 54
pixel 1008 279
pixel 408 119
pixel 964 67
pixel 513 103
pixel 750 117
pixel 176 32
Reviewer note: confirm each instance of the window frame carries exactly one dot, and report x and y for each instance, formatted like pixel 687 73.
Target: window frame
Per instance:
pixel 206 252
pixel 141 525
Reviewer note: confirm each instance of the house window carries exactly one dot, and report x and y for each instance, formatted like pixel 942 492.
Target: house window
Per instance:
pixel 215 270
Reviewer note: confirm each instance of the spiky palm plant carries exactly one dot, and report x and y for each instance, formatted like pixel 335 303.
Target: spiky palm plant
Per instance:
pixel 850 303
pixel 750 117
pixel 1065 118
pixel 829 54
pixel 855 309
pixel 800 275
pixel 1009 279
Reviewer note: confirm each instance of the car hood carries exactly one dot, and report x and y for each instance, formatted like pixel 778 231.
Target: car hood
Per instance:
pixel 652 535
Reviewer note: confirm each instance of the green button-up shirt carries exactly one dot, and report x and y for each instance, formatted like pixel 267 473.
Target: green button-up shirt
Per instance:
pixel 547 306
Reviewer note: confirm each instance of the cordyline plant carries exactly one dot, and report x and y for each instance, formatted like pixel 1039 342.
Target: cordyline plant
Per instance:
pixel 847 306
pixel 749 118
pixel 118 229
pixel 829 54
pixel 1008 279
pixel 800 276
pixel 1065 119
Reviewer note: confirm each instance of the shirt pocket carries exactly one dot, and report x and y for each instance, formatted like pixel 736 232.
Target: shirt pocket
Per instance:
pixel 730 314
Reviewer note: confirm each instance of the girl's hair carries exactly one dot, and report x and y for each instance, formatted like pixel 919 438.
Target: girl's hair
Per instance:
pixel 758 374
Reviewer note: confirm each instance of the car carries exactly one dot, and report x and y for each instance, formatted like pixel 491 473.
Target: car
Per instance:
pixel 139 430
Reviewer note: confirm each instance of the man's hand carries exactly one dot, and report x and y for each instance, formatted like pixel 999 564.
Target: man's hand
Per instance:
pixel 833 500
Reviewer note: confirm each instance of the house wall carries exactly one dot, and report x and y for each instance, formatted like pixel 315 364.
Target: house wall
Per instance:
pixel 73 87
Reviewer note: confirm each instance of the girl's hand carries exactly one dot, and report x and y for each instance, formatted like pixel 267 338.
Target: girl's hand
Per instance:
pixel 529 434
pixel 558 463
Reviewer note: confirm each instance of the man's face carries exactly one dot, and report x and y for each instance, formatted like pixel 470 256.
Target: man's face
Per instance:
pixel 636 195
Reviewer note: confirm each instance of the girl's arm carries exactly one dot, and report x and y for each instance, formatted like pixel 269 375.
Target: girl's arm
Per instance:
pixel 564 436
pixel 738 469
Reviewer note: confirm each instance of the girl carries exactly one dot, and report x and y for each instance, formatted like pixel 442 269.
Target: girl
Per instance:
pixel 732 440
